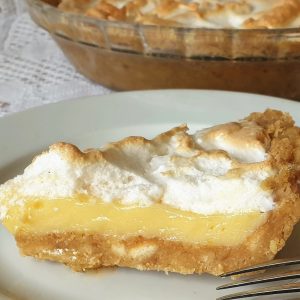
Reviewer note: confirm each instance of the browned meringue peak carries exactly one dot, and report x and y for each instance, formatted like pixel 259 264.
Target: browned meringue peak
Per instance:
pixel 193 13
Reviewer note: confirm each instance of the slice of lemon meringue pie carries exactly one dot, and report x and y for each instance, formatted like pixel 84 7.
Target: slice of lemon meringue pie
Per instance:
pixel 223 198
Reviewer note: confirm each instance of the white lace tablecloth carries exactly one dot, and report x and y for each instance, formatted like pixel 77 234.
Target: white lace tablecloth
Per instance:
pixel 33 70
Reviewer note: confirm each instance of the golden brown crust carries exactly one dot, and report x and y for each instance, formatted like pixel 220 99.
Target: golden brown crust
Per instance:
pixel 285 137
pixel 284 155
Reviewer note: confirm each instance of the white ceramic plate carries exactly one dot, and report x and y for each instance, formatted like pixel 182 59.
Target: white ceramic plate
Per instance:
pixel 91 122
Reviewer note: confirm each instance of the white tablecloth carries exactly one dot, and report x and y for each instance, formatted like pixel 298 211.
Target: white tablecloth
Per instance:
pixel 33 70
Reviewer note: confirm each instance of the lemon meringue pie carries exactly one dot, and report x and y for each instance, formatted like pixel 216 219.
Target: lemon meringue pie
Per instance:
pixel 220 199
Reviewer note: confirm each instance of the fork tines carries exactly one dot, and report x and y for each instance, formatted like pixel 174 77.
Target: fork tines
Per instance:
pixel 268 265
pixel 259 278
pixel 273 290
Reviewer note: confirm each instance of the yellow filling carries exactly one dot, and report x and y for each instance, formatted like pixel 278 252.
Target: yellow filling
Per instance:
pixel 158 220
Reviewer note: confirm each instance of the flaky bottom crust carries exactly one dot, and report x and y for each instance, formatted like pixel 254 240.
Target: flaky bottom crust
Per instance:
pixel 82 251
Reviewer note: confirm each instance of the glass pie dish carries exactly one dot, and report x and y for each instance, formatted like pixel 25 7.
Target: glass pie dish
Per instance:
pixel 130 56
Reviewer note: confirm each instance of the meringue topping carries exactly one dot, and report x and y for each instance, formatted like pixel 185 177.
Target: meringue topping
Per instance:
pixel 239 14
pixel 219 170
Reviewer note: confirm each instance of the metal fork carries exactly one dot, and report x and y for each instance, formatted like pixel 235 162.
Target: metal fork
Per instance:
pixel 289 288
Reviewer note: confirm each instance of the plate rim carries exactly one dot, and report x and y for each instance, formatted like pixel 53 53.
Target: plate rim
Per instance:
pixel 152 91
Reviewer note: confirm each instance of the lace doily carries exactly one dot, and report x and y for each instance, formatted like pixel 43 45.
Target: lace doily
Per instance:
pixel 33 70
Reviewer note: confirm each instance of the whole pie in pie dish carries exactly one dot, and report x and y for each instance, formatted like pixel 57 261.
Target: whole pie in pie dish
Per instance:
pixel 238 45
pixel 220 199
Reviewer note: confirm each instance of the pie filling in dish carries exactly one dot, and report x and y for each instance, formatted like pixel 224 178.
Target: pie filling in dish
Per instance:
pixel 220 199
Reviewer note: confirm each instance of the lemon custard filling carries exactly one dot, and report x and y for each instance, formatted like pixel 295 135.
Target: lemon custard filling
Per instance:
pixel 158 220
